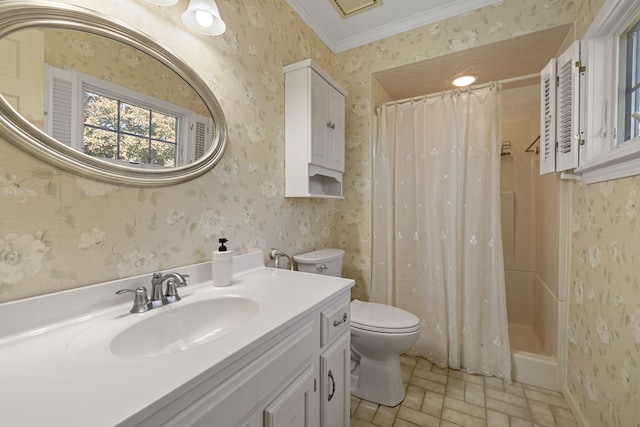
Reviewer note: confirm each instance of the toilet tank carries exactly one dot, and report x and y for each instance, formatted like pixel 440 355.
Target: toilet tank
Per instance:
pixel 322 261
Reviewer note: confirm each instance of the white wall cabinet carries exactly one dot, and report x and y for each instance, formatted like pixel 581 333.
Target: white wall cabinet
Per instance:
pixel 562 95
pixel 314 132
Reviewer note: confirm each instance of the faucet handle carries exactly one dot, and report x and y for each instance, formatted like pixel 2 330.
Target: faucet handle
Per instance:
pixel 140 300
pixel 172 290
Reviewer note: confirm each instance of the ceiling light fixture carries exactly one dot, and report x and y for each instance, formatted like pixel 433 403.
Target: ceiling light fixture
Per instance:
pixel 203 16
pixel 463 81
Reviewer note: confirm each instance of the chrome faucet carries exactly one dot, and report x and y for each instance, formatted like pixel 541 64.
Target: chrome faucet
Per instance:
pixel 142 303
pixel 174 281
pixel 157 296
pixel 275 255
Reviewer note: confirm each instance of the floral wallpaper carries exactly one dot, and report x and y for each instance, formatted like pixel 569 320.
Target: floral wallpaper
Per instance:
pixel 354 67
pixel 120 64
pixel 50 218
pixel 604 324
pixel 603 360
pixel 59 231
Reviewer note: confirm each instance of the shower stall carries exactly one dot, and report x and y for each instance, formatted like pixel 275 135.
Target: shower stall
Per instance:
pixel 531 226
pixel 534 216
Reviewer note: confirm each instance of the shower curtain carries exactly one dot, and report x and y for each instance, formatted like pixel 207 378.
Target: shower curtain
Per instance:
pixel 437 245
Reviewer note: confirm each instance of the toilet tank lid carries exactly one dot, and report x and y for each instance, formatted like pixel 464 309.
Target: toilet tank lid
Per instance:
pixel 321 255
pixel 381 315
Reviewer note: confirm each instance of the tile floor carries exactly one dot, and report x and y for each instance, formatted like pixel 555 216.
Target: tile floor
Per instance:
pixel 446 398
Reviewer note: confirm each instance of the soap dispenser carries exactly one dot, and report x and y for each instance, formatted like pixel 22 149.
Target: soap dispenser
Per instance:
pixel 222 265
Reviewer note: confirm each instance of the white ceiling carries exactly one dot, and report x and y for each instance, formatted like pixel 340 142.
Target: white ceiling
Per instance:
pixel 390 18
pixel 515 57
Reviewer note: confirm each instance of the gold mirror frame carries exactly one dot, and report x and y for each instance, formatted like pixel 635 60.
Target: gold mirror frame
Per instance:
pixel 22 15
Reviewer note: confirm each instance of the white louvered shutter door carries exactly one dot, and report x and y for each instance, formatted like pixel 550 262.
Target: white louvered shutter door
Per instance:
pixel 61 119
pixel 548 122
pixel 568 108
pixel 203 136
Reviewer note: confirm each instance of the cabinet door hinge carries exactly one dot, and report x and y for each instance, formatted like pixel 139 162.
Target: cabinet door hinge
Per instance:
pixel 314 385
pixel 582 68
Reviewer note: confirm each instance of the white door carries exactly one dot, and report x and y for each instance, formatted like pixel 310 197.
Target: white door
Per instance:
pixel 568 133
pixel 548 123
pixel 336 130
pixel 22 73
pixel 320 154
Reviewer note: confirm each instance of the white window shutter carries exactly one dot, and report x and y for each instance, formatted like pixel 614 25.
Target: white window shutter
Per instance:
pixel 61 106
pixel 582 105
pixel 600 86
pixel 200 137
pixel 59 100
pixel 568 108
pixel 548 122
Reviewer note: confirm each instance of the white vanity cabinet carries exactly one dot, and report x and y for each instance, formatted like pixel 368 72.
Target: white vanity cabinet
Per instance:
pixel 314 132
pixel 275 367
pixel 269 389
pixel 300 378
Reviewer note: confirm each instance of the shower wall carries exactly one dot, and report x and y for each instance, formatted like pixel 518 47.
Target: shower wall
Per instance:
pixel 530 224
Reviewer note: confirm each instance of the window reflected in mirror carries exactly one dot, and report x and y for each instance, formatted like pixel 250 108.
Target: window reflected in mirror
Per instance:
pixel 97 98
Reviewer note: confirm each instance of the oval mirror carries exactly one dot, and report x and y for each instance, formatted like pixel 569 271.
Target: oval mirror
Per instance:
pixel 97 98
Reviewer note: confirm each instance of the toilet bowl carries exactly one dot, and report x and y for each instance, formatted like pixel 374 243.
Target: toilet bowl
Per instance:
pixel 378 334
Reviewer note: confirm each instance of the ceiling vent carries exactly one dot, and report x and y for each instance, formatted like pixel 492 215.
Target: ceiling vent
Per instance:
pixel 346 8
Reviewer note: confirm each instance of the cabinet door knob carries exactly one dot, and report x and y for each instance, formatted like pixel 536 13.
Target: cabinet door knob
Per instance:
pixel 331 126
pixel 333 385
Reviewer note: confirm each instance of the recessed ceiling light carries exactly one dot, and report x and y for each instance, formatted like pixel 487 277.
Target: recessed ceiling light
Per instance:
pixel 463 81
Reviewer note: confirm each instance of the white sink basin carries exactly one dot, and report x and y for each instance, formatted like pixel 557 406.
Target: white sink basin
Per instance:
pixel 182 327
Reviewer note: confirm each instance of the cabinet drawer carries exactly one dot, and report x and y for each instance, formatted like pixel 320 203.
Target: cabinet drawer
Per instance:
pixel 334 320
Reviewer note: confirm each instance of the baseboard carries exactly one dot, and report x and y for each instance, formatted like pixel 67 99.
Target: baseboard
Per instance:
pixel 574 407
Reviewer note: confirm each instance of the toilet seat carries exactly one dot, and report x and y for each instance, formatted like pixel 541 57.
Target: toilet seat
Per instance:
pixel 374 317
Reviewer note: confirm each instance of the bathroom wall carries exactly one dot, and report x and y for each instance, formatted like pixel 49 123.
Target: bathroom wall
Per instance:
pixel 59 231
pixel 530 224
pixel 483 26
pixel 604 317
pixel 518 178
pixel 603 365
pixel 120 64
pixel 547 297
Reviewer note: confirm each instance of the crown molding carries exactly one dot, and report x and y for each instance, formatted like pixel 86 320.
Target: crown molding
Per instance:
pixel 456 8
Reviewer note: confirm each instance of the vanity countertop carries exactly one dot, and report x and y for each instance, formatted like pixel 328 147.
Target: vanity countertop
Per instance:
pixel 48 378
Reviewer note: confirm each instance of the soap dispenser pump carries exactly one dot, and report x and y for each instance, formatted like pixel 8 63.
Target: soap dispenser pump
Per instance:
pixel 222 265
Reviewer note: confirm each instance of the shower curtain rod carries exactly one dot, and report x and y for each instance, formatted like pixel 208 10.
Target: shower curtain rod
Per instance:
pixel 480 86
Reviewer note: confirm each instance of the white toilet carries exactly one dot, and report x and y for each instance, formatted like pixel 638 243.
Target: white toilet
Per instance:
pixel 378 334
